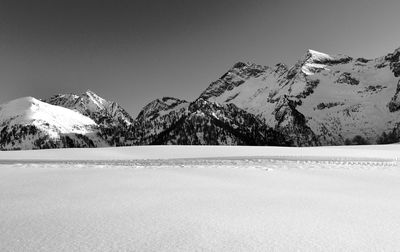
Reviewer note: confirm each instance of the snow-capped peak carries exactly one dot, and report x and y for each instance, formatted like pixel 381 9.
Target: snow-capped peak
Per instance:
pixel 315 61
pixel 14 107
pixel 316 56
pixel 95 100
pixel 47 117
pixel 93 106
pixel 90 92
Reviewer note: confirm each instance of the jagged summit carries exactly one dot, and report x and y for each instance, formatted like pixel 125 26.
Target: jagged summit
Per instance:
pixel 157 117
pixel 170 100
pixel 164 102
pixel 317 56
pixel 93 106
pixel 94 100
pixel 160 106
pixel 90 92
pixel 240 65
pixel 315 61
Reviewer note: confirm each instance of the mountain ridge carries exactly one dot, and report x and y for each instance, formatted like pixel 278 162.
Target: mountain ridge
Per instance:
pixel 321 100
pixel 93 106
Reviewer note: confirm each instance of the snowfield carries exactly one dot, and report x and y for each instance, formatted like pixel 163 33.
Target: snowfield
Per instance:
pixel 201 198
pixel 375 152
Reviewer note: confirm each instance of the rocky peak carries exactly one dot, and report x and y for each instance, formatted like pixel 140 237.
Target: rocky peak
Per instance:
pixel 234 77
pixel 394 62
pixel 64 100
pixel 248 69
pixel 92 105
pixel 93 100
pixel 153 109
pixel 394 56
pixel 315 61
pixel 91 93
pixel 317 57
pixel 163 103
pixel 280 68
pixel 239 65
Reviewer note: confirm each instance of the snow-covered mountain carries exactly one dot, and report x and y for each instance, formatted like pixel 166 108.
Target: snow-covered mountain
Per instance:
pixel 27 123
pixel 102 111
pixel 321 100
pixel 113 121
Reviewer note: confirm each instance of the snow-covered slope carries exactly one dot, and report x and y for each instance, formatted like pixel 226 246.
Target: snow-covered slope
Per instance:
pixel 335 99
pixel 27 123
pixel 367 153
pixel 321 202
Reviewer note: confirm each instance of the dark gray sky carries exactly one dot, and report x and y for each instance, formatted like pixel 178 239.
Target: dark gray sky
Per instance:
pixel 135 51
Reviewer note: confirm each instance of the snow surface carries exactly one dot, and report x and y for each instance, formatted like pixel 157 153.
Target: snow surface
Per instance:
pixel 286 199
pixel 378 152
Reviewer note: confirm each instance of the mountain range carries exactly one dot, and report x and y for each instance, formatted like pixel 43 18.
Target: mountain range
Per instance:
pixel 321 100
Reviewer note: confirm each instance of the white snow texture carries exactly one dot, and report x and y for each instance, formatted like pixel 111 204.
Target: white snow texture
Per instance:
pixel 143 199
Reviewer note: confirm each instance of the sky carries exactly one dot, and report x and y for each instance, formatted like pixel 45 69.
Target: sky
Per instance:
pixel 135 51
